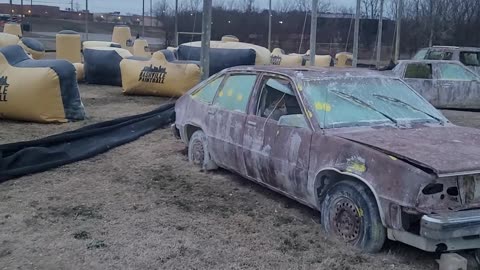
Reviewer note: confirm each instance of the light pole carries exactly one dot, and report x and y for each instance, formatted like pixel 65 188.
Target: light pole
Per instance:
pixel 86 19
pixel 176 23
pixel 313 33
pixel 379 35
pixel 206 33
pixel 399 29
pixel 355 35
pixel 270 25
pixel 143 19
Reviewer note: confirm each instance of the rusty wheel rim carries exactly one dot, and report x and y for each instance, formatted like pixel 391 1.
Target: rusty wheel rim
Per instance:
pixel 346 221
pixel 198 154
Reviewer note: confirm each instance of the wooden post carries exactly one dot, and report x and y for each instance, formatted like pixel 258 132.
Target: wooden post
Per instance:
pixel 379 35
pixel 313 33
pixel 206 33
pixel 355 35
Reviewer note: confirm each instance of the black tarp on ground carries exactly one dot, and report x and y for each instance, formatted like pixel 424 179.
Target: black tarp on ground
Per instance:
pixel 22 158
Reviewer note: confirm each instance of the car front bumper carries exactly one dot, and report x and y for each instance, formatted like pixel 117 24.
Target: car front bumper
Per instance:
pixel 444 232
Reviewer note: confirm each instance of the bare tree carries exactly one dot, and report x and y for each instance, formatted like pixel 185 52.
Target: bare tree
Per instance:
pixel 370 8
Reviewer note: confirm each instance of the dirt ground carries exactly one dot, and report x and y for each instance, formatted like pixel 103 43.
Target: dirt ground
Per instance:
pixel 142 206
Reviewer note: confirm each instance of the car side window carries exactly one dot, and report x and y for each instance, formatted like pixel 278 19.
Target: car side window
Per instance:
pixel 207 93
pixel 439 55
pixel 470 58
pixel 455 72
pixel 277 99
pixel 418 71
pixel 235 92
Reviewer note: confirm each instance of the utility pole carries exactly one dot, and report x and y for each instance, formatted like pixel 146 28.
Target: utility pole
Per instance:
pixel 399 29
pixel 21 6
pixel 151 13
pixel 432 22
pixel 86 19
pixel 313 32
pixel 355 35
pixel 71 5
pixel 143 19
pixel 11 9
pixel 270 25
pixel 206 33
pixel 176 23
pixel 379 35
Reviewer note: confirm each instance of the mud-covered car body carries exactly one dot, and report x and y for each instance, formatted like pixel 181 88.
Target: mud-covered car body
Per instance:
pixel 468 56
pixel 445 84
pixel 424 172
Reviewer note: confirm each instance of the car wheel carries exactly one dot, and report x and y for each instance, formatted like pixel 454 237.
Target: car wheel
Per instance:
pixel 198 151
pixel 349 212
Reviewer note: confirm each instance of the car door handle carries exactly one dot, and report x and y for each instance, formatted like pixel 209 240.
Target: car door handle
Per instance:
pixel 251 123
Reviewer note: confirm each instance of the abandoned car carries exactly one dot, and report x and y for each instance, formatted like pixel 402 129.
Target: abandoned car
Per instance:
pixel 367 151
pixel 445 84
pixel 468 56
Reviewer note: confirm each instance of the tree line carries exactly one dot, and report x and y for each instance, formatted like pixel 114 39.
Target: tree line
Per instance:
pixel 424 22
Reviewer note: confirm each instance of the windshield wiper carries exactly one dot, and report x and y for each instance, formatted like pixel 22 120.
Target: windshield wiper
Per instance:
pixel 362 103
pixel 396 100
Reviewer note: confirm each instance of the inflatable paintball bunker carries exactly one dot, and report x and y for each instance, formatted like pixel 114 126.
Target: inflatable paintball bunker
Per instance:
pixel 8 40
pixel 96 44
pixel 32 46
pixel 123 36
pixel 159 76
pixel 79 68
pixel 13 29
pixel 343 59
pixel 102 65
pixel 37 90
pixel 226 53
pixel 320 60
pixel 69 46
pixel 140 48
pixel 279 58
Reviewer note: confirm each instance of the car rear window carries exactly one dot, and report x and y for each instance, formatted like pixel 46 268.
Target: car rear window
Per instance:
pixel 455 72
pixel 207 93
pixel 235 92
pixel 418 71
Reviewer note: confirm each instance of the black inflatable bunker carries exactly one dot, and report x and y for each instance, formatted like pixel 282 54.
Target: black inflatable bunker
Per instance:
pixel 102 65
pixel 37 90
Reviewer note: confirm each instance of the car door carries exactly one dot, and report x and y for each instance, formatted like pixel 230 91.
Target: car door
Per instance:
pixel 420 77
pixel 227 117
pixel 458 86
pixel 277 152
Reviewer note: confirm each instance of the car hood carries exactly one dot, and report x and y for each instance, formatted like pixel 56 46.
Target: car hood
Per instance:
pixel 450 150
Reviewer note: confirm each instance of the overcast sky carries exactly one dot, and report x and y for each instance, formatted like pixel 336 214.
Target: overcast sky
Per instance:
pixel 135 6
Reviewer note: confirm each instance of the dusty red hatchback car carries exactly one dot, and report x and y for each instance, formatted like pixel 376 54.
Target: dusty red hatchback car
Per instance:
pixel 374 157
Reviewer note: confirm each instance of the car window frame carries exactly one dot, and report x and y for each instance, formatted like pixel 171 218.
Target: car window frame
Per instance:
pixel 222 84
pixel 254 101
pixel 460 52
pixel 438 72
pixel 203 84
pixel 417 63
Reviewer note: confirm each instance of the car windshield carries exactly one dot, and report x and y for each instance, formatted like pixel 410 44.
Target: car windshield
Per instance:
pixel 348 102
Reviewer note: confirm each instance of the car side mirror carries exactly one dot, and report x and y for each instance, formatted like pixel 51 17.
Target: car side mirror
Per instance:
pixel 293 120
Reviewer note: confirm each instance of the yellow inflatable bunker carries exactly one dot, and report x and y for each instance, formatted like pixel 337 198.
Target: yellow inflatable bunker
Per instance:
pixel 226 53
pixel 343 59
pixel 159 76
pixel 33 47
pixel 96 44
pixel 279 58
pixel 13 28
pixel 123 36
pixel 140 48
pixel 7 39
pixel 37 90
pixel 69 46
pixel 102 65
pixel 80 71
pixel 320 60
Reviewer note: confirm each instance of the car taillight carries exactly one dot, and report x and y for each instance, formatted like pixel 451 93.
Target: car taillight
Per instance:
pixel 469 186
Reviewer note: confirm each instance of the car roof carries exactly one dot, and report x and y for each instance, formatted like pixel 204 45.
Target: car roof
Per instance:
pixel 428 61
pixel 456 48
pixel 309 73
